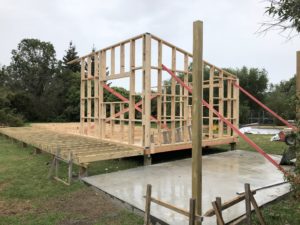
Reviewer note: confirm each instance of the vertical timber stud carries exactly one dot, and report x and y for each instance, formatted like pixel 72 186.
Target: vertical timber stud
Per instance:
pixel 132 93
pixel 89 95
pixel 211 102
pixel 165 105
pixel 173 96
pixel 197 116
pixel 235 109
pixel 146 96
pixel 186 99
pixel 96 94
pixel 229 105
pixel 221 102
pixel 298 86
pixel 159 91
pixel 82 96
pixel 122 121
pixel 100 97
pixel 102 106
pixel 112 121
pixel 112 61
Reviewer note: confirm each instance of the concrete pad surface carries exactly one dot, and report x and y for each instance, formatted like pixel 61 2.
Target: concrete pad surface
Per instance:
pixel 224 175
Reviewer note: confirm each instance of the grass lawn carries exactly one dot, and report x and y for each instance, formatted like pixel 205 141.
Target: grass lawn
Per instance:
pixel 283 212
pixel 27 197
pixel 263 141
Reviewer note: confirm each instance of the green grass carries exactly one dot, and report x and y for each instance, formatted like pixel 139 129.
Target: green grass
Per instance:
pixel 26 192
pixel 25 188
pixel 262 140
pixel 283 212
pixel 31 218
pixel 24 175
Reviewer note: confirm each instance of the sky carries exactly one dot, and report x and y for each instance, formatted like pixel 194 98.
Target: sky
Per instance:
pixel 230 28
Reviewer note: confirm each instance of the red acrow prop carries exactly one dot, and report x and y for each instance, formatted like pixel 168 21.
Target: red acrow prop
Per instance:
pixel 264 106
pixel 228 123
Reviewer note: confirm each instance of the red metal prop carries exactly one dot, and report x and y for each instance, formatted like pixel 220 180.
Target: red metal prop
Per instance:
pixel 235 129
pixel 264 106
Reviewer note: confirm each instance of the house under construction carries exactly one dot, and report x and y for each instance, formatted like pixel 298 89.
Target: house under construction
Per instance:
pixel 156 116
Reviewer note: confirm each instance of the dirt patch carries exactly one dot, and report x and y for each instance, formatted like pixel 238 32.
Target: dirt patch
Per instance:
pixel 3 185
pixel 83 207
pixel 14 207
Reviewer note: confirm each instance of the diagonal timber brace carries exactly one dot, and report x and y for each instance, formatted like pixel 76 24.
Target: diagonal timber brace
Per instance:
pixel 228 123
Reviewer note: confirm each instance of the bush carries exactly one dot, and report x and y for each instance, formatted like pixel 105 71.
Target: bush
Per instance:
pixel 294 178
pixel 10 119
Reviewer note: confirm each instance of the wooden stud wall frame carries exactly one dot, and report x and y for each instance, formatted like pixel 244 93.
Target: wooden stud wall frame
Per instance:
pixel 157 118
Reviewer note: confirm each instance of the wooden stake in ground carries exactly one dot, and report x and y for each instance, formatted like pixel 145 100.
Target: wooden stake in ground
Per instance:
pixel 248 204
pixel 148 205
pixel 197 116
pixel 298 85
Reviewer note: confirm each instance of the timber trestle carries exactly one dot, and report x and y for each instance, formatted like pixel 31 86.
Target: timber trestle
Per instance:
pixel 54 169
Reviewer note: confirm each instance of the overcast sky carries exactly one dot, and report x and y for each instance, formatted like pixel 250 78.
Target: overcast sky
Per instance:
pixel 230 26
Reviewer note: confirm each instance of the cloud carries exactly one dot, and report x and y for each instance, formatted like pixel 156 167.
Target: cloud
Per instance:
pixel 229 28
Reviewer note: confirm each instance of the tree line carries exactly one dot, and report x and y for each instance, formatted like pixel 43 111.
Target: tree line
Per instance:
pixel 38 87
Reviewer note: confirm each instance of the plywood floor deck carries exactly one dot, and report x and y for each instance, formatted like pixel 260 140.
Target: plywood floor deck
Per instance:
pixel 120 137
pixel 84 149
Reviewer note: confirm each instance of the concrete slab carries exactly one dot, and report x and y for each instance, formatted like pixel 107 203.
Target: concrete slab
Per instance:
pixel 224 174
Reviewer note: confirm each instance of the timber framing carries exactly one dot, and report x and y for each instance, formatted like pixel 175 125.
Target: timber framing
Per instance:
pixel 158 117
pixel 78 149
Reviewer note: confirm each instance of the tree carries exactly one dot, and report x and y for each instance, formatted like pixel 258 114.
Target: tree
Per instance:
pixel 282 98
pixel 285 16
pixel 71 54
pixel 3 76
pixel 32 75
pixel 69 82
pixel 8 117
pixel 70 96
pixel 33 66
